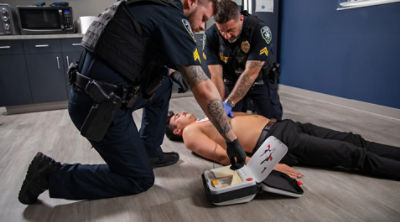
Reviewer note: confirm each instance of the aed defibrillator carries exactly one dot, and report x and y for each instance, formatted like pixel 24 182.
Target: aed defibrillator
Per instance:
pixel 224 186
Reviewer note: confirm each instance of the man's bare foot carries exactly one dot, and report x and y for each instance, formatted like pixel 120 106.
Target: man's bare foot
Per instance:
pixel 290 171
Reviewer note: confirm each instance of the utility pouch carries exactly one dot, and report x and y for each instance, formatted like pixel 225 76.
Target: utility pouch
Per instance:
pixel 101 113
pixel 274 73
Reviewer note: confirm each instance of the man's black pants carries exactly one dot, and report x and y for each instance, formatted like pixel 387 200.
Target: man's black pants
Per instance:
pixel 311 145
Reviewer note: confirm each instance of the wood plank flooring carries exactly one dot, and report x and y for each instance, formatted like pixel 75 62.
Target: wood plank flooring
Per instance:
pixel 177 194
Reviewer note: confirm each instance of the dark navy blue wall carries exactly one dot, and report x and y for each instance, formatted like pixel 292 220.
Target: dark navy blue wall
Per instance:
pixel 352 53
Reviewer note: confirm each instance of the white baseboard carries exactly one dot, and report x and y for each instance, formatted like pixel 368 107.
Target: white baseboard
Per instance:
pixel 359 106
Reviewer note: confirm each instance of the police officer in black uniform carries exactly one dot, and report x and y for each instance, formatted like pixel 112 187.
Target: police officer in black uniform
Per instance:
pixel 238 53
pixel 122 69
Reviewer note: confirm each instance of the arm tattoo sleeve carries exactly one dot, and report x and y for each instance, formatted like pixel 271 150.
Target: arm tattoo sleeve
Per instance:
pixel 247 79
pixel 218 117
pixel 193 74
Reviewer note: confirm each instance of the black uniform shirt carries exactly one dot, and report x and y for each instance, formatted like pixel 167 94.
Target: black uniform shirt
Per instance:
pixel 169 31
pixel 260 45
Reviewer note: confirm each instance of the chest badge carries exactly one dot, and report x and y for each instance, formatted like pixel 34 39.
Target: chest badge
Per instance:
pixel 245 46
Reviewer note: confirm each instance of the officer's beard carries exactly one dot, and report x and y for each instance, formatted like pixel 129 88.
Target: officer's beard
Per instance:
pixel 233 41
pixel 238 36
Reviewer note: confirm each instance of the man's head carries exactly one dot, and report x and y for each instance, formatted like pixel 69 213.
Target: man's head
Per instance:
pixel 198 12
pixel 176 123
pixel 228 20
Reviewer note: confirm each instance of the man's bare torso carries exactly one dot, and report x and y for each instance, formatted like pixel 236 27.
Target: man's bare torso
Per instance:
pixel 246 127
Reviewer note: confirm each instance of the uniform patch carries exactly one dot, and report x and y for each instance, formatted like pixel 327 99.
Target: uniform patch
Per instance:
pixel 223 58
pixel 204 56
pixel 186 24
pixel 245 46
pixel 196 56
pixel 266 34
pixel 264 51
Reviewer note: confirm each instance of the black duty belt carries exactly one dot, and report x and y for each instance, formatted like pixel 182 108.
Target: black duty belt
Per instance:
pixel 264 134
pixel 128 96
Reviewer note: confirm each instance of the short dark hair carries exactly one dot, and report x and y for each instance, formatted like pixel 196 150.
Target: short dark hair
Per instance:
pixel 214 2
pixel 169 131
pixel 226 10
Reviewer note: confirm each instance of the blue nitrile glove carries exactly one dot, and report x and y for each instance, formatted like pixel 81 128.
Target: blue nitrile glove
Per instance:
pixel 234 149
pixel 228 110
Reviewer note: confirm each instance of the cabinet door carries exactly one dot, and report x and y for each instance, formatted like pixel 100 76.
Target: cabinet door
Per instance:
pixel 14 86
pixel 46 77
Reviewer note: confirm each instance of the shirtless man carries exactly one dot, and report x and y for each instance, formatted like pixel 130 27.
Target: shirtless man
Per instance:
pixel 309 145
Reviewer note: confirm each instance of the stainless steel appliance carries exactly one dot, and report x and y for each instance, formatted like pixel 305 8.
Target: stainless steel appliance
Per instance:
pixel 45 19
pixel 8 25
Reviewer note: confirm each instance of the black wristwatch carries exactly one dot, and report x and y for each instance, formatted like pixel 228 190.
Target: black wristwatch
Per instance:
pixel 230 103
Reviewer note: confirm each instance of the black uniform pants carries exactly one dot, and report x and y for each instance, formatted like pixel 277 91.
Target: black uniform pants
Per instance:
pixel 315 146
pixel 265 99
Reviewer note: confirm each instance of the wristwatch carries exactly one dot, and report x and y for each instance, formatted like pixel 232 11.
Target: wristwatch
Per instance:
pixel 230 103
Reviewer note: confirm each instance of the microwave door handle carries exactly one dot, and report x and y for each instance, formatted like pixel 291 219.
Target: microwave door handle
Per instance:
pixel 61 17
pixel 42 46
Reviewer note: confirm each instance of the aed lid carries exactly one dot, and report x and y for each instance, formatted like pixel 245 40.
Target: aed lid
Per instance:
pixel 263 161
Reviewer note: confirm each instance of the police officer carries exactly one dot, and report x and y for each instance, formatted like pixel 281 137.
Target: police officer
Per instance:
pixel 238 53
pixel 121 70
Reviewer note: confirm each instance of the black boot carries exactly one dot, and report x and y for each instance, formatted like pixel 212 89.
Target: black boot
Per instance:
pixel 37 178
pixel 165 159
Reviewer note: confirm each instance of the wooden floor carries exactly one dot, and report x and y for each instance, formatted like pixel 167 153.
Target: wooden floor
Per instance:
pixel 177 194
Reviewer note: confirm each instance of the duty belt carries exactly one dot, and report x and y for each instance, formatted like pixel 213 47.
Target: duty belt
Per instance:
pixel 100 89
pixel 264 134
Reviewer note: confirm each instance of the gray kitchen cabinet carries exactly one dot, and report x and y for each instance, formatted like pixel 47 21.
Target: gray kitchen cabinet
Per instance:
pixel 45 70
pixel 14 85
pixel 34 71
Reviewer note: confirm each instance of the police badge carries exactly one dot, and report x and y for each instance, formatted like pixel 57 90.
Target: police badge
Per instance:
pixel 245 46
pixel 266 34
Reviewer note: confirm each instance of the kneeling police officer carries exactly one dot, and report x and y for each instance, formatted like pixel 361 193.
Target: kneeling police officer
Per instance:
pixel 238 49
pixel 122 69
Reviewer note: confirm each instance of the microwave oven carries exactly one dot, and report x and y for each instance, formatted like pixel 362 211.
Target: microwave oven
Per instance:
pixel 45 19
pixel 8 25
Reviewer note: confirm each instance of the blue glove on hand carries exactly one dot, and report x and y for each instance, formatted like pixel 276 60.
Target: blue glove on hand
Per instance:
pixel 236 154
pixel 228 110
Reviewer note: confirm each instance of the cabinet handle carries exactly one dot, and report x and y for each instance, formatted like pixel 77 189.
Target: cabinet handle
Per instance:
pixel 58 62
pixel 76 44
pixel 42 46
pixel 5 47
pixel 67 61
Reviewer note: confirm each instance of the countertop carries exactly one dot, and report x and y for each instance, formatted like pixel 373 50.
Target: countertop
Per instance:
pixel 46 36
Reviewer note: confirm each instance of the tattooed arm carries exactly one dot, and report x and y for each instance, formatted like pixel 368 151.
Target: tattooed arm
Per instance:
pixel 246 80
pixel 217 78
pixel 208 98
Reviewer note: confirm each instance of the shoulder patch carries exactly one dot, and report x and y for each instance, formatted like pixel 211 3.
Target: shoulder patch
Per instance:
pixel 186 24
pixel 266 34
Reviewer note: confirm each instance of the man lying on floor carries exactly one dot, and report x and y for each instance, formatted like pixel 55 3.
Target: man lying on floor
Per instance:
pixel 309 145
